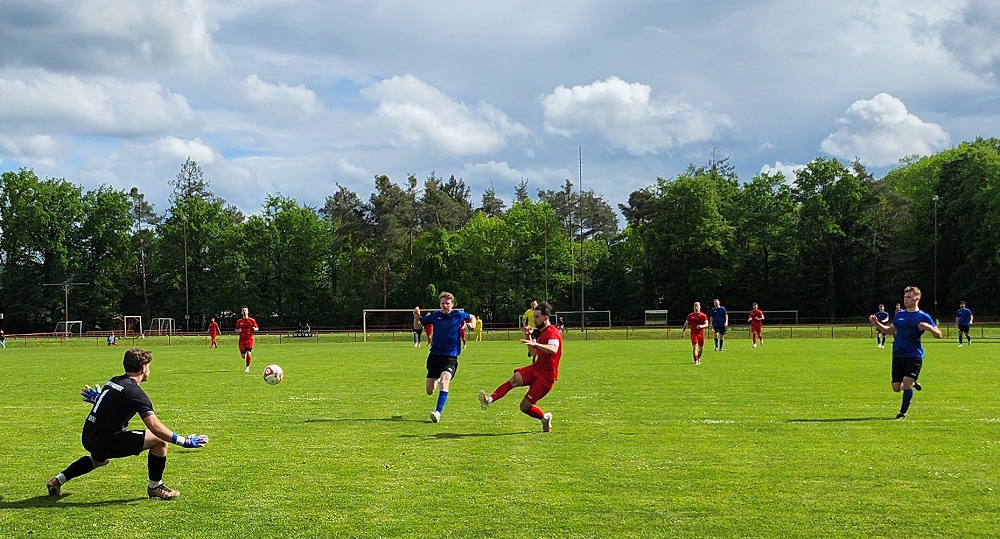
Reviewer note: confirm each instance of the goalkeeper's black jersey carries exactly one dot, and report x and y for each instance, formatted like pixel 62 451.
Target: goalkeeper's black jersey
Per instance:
pixel 120 399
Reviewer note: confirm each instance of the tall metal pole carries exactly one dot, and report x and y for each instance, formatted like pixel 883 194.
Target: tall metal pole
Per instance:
pixel 187 297
pixel 65 287
pixel 583 322
pixel 935 199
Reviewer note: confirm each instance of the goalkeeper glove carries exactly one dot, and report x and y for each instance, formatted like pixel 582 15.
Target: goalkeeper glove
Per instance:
pixel 191 441
pixel 90 394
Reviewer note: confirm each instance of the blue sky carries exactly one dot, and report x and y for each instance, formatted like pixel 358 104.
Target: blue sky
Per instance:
pixel 295 97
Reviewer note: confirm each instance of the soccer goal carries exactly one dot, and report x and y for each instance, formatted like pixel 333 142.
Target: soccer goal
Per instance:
pixel 67 328
pixel 592 319
pixel 133 325
pixel 389 320
pixel 787 317
pixel 656 317
pixel 162 326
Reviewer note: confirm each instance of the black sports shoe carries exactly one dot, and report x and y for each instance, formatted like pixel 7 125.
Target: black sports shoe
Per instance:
pixel 900 415
pixel 917 386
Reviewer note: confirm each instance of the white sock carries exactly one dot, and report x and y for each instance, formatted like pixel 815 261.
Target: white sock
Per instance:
pixel 154 484
pixel 61 478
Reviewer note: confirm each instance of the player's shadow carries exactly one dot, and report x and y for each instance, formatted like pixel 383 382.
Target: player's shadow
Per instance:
pixel 59 501
pixel 393 419
pixel 458 435
pixel 840 419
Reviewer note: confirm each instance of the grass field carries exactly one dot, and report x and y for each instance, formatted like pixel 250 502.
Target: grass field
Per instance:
pixel 792 440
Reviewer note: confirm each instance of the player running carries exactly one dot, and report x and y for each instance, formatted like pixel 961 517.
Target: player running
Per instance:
pixel 106 435
pixel 213 332
pixel 756 320
pixel 246 326
pixel 442 362
pixel 698 322
pixel 541 375
pixel 720 323
pixel 963 319
pixel 883 317
pixel 907 352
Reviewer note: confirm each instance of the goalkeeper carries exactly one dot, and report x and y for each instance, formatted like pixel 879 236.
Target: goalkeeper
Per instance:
pixel 105 433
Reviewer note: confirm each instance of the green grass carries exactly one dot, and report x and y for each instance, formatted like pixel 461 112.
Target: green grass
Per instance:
pixel 786 441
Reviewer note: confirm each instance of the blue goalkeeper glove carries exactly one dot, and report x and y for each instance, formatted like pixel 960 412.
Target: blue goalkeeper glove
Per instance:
pixel 192 441
pixel 90 394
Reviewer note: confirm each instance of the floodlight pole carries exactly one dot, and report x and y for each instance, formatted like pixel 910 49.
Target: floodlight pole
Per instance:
pixel 583 319
pixel 935 198
pixel 187 297
pixel 65 287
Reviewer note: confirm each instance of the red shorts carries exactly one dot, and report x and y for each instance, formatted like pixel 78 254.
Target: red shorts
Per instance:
pixel 539 383
pixel 755 328
pixel 698 338
pixel 246 346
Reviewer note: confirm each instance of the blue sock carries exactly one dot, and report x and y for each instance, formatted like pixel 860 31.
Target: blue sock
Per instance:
pixel 907 397
pixel 443 396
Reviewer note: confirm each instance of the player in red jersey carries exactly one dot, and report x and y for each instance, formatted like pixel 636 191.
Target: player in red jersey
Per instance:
pixel 541 375
pixel 245 326
pixel 213 331
pixel 756 325
pixel 697 321
pixel 429 330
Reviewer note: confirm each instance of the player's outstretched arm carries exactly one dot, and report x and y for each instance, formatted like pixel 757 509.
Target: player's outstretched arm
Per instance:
pixel 190 441
pixel 416 318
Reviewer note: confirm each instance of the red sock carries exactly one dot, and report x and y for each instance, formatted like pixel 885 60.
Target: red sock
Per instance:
pixel 248 360
pixel 501 391
pixel 535 412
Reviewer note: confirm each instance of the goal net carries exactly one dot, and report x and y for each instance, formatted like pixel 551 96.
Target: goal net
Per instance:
pixel 773 318
pixel 68 327
pixel 391 320
pixel 162 326
pixel 133 325
pixel 591 319
pixel 656 317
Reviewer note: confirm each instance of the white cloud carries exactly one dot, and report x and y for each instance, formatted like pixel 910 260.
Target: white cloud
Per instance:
pixel 787 170
pixel 280 98
pixel 107 36
pixel 625 114
pixel 99 107
pixel 503 171
pixel 766 146
pixel 969 35
pixel 31 146
pixel 880 131
pixel 417 114
pixel 354 171
pixel 180 149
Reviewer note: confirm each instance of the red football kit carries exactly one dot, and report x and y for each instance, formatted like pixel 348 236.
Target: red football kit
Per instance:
pixel 756 320
pixel 213 329
pixel 541 375
pixel 245 328
pixel 695 320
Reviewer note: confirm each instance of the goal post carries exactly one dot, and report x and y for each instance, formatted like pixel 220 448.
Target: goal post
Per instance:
pixel 590 318
pixel 67 327
pixel 656 317
pixel 162 326
pixel 133 325
pixel 403 323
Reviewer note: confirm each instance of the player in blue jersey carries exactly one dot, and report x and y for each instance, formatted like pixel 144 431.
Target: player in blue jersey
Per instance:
pixel 907 353
pixel 442 362
pixel 963 319
pixel 883 317
pixel 720 323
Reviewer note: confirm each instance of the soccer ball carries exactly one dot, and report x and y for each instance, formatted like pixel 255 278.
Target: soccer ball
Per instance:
pixel 273 374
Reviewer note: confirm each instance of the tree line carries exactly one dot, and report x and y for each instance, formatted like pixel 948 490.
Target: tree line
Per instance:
pixel 832 242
